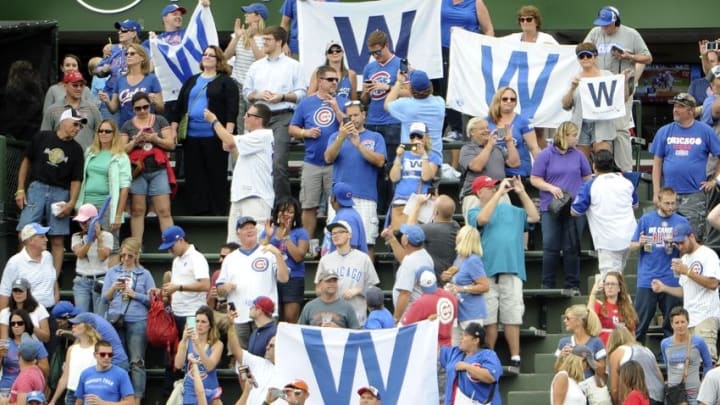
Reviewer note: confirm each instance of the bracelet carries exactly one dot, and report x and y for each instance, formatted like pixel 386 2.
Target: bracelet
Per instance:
pixel 215 121
pixel 688 272
pixel 302 133
pixel 20 191
pixel 283 98
pixel 181 287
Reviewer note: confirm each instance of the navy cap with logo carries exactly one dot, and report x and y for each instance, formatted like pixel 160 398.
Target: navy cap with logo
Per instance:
pixel 170 236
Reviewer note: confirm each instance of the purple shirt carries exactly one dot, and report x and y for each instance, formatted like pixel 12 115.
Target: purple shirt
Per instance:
pixel 561 170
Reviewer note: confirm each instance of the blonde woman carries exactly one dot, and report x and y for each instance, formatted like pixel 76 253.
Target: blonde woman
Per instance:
pixel 467 279
pixel 623 348
pixel 564 389
pixel 584 326
pixel 80 356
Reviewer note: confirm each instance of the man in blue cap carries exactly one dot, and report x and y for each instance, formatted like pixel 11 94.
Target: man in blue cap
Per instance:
pixel 405 291
pixel 342 203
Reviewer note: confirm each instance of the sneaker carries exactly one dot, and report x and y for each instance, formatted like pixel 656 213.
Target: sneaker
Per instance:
pixel 575 292
pixel 514 367
pixel 452 136
pixel 151 214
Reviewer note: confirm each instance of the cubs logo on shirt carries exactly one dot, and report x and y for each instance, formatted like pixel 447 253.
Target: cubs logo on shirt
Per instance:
pixel 324 116
pixel 260 264
pixel 380 77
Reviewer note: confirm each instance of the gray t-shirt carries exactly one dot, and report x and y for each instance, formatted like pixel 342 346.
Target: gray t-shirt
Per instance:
pixel 440 243
pixel 626 38
pixel 710 388
pixel 405 276
pixel 355 270
pixel 494 168
pixel 317 311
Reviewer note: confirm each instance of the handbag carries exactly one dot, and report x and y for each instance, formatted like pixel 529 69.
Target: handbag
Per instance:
pixel 677 394
pixel 595 395
pixel 560 207
pixel 118 320
pixel 183 124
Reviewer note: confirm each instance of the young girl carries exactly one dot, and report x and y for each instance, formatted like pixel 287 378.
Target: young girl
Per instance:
pixel 632 384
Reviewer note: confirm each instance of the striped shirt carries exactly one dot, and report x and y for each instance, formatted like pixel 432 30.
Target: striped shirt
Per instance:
pixel 244 58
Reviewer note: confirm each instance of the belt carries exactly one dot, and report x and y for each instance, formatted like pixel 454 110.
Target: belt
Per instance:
pixel 92 277
pixel 283 111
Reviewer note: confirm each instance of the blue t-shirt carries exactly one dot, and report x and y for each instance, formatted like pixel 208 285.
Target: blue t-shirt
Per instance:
pixel 520 126
pixel 410 177
pixel 110 385
pixel 109 333
pixel 313 112
pixel 656 264
pixel 463 14
pixel 344 89
pixel 596 346
pixel 118 64
pixel 209 379
pixel 289 9
pixel 379 319
pixel 707 111
pixel 197 103
pixel 126 91
pixel 297 269
pixel 684 152
pixel 386 74
pixel 470 306
pixel 353 218
pixel 474 389
pixel 504 233
pixel 351 167
pixel 700 89
pixel 430 111
pixel 11 363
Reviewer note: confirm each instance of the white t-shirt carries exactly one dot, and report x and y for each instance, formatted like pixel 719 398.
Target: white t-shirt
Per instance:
pixel 252 176
pixel 186 269
pixel 263 371
pixel 254 274
pixel 36 316
pixel 90 265
pixel 542 38
pixel 610 215
pixel 40 274
pixel 700 302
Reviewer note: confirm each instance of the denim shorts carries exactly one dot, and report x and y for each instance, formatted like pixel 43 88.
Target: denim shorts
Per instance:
pixel 39 197
pixel 152 184
pixel 292 291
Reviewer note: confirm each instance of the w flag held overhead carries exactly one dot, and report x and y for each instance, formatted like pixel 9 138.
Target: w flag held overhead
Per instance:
pixel 174 64
pixel 401 363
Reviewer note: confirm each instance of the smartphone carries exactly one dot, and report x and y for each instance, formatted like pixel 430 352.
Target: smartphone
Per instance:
pixel 617 49
pixel 277 393
pixel 403 65
pixel 368 82
pixel 410 146
pixel 147 130
pixel 346 119
pixel 501 133
pixel 712 46
pixel 190 322
pixel 231 305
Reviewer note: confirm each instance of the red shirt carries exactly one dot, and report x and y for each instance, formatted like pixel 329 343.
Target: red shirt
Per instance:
pixel 442 303
pixel 636 398
pixel 29 379
pixel 607 321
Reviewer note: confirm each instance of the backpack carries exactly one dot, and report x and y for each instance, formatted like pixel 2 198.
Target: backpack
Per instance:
pixel 161 329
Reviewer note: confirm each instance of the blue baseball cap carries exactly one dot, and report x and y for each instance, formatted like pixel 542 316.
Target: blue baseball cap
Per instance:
pixel 419 80
pixel 171 8
pixel 415 234
pixel 607 16
pixel 426 279
pixel 85 317
pixel 256 8
pixel 29 348
pixel 35 396
pixel 681 231
pixel 31 230
pixel 128 24
pixel 64 309
pixel 242 221
pixel 343 194
pixel 170 236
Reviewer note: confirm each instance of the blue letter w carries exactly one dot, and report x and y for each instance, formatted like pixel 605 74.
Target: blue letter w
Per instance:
pixel 357 59
pixel 602 92
pixel 362 343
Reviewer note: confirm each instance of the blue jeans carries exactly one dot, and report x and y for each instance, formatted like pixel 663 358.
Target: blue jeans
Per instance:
pixel 134 338
pixel 69 397
pixel 645 303
pixel 86 298
pixel 561 235
pixel 39 198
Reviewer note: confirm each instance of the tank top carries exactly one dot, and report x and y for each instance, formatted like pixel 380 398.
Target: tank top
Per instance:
pixel 574 394
pixel 80 359
pixel 647 361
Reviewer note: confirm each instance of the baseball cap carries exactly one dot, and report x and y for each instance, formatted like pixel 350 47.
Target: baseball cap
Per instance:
pixel 374 296
pixel 72 114
pixel 684 99
pixel 64 309
pixel 425 277
pixel 21 284
pixel 298 384
pixel 86 212
pixel 372 390
pixel 343 194
pixel 339 224
pixel 35 396
pixel 73 76
pixel 482 182
pixel 681 231
pixel 31 230
pixel 419 80
pixel 331 44
pixel 418 128
pixel 585 352
pixel 327 274
pixel 256 8
pixel 129 24
pixel 29 348
pixel 714 73
pixel 414 233
pixel 170 8
pixel 84 317
pixel 242 221
pixel 264 304
pixel 606 16
pixel 171 235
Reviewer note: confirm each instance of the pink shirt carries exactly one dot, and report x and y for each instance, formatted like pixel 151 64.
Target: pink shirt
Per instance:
pixel 29 379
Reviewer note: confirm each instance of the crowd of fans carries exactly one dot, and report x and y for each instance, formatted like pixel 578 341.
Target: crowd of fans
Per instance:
pixel 369 148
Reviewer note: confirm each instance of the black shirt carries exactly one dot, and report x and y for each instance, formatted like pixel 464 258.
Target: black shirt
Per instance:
pixel 53 161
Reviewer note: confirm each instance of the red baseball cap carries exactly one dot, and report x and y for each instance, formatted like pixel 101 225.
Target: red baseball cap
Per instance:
pixel 264 304
pixel 482 182
pixel 73 76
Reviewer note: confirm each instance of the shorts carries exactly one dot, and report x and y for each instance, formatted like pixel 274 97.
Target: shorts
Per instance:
pixel 612 260
pixel 39 198
pixel 314 182
pixel 708 330
pixel 368 212
pixel 505 296
pixel 152 184
pixel 292 291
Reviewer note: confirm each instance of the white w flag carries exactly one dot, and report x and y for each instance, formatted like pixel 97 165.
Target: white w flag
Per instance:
pixel 539 73
pixel 412 26
pixel 174 64
pixel 401 363
pixel 602 98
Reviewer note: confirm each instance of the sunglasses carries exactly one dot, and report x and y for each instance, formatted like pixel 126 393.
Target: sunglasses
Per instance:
pixel 525 19
pixel 17 323
pixel 130 53
pixel 330 79
pixel 210 55
pixel 247 114
pixel 376 53
pixel 509 99
pixel 141 107
pixel 123 31
pixel 77 125
pixel 585 55
pixel 104 354
pixel 417 136
pixel 105 131
pixel 334 51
